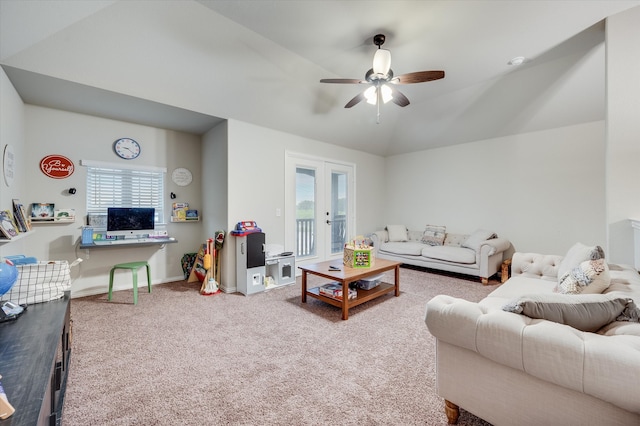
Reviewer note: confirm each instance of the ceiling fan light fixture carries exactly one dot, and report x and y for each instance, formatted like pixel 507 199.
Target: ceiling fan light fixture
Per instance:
pixel 386 93
pixel 370 95
pixel 381 61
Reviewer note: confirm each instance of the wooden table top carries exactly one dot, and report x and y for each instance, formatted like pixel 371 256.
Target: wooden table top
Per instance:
pixel 347 273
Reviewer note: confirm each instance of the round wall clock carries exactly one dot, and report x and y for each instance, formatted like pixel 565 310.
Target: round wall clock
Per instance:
pixel 127 148
pixel 181 176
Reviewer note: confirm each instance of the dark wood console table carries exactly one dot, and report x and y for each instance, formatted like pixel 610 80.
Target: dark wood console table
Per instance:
pixel 34 362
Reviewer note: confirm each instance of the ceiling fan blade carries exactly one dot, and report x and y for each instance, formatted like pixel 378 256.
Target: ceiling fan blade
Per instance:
pixel 356 100
pixel 398 98
pixel 418 77
pixel 342 80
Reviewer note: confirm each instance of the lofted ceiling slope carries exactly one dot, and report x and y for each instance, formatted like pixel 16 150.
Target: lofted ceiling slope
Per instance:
pixel 186 65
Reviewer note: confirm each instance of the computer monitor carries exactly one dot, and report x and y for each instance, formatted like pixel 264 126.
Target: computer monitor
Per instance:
pixel 130 221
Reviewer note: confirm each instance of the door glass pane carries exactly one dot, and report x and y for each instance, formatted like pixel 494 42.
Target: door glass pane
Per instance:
pixel 338 211
pixel 305 212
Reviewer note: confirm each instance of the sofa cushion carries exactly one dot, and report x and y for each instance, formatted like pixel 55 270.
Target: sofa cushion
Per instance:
pixel 450 254
pixel 455 239
pixel 434 235
pixel 397 232
pixel 577 254
pixel 408 248
pixel 586 312
pixel 477 238
pixel 589 277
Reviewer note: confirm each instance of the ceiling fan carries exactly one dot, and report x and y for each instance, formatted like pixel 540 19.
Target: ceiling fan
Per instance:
pixel 381 80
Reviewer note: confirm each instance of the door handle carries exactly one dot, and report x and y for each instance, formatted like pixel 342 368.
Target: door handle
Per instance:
pixel 328 222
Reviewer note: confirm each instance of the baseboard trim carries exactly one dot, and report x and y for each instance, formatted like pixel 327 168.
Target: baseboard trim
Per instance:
pixel 103 290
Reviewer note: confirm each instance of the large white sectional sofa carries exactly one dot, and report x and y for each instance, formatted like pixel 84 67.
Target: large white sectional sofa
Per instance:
pixel 479 254
pixel 510 368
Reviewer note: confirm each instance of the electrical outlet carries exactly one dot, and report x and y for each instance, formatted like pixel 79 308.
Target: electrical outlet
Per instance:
pixel 278 212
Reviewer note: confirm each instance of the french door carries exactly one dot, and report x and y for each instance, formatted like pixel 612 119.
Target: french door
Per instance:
pixel 320 210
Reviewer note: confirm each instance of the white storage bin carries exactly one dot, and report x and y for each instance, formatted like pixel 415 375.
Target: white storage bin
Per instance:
pixel 40 282
pixel 369 282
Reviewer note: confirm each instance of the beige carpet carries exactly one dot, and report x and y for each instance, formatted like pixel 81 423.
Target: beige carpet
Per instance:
pixel 179 358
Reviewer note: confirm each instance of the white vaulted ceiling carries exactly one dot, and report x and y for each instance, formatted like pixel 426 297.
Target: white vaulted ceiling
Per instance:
pixel 187 64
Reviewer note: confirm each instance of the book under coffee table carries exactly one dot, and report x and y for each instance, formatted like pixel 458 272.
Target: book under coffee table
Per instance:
pixel 347 275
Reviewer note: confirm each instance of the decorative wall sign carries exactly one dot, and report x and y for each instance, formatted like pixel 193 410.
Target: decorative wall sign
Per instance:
pixel 182 176
pixel 57 166
pixel 8 164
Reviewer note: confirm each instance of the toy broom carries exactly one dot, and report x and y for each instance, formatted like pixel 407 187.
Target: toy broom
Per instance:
pixel 219 242
pixel 209 284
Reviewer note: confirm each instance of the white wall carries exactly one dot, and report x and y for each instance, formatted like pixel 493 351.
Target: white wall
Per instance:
pixel 215 179
pixel 77 136
pixel 12 122
pixel 623 132
pixel 543 191
pixel 215 193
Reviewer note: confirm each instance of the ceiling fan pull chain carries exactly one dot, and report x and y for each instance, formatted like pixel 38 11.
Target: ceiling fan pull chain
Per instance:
pixel 378 105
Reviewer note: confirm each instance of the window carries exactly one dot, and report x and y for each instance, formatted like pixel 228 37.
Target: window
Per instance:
pixel 110 185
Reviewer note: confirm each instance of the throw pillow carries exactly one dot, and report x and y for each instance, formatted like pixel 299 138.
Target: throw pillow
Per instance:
pixel 434 235
pixel 397 232
pixel 455 240
pixel 631 313
pixel 477 238
pixel 586 312
pixel 591 276
pixel 577 254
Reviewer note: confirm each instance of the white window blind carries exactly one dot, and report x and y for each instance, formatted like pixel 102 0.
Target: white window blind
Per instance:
pixel 113 187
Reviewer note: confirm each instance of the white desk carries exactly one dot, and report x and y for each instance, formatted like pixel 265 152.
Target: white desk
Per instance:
pixel 130 243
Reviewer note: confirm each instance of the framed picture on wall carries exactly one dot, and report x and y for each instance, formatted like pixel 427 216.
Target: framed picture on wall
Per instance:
pixel 42 211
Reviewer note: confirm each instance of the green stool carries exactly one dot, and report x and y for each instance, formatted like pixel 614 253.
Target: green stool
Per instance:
pixel 133 266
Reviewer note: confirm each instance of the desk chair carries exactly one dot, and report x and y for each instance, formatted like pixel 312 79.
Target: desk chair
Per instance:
pixel 133 267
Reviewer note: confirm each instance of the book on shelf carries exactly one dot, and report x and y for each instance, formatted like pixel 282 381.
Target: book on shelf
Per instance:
pixel 179 210
pixel 8 226
pixel 20 215
pixel 191 215
pixel 42 211
pixel 65 215
pixel 97 220
pixel 334 291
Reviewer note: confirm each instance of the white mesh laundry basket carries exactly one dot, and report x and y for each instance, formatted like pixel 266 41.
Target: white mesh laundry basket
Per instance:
pixel 40 282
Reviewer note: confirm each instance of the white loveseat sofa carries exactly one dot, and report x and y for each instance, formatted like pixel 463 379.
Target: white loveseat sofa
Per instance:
pixel 479 254
pixel 509 368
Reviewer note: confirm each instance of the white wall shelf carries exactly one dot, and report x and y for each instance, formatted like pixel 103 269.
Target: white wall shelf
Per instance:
pixel 176 220
pixel 52 222
pixel 17 237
